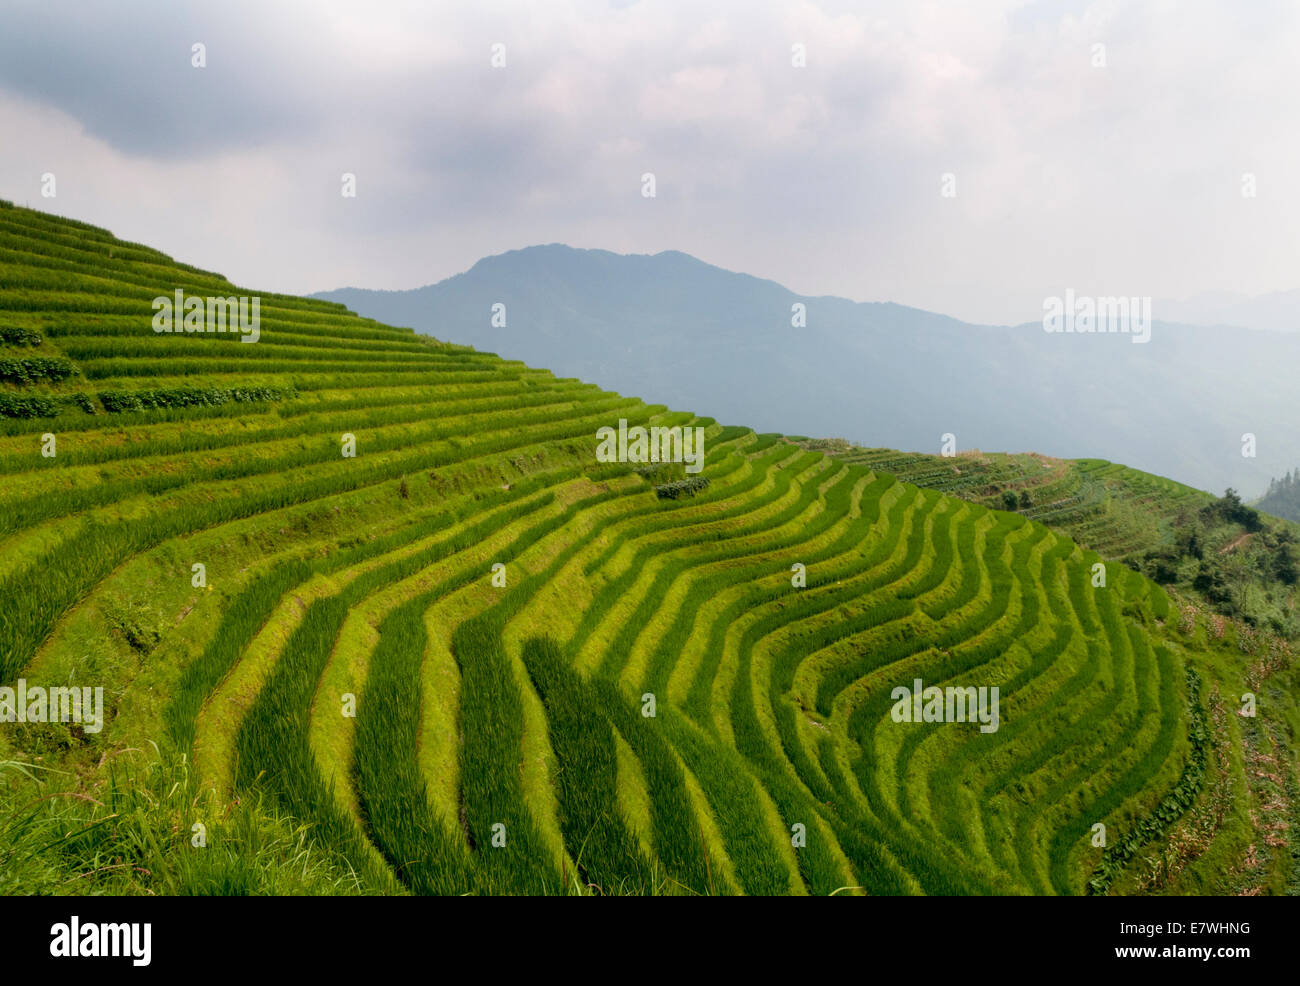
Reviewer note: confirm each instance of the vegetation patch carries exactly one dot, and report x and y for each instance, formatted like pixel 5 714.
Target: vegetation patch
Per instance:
pixel 117 402
pixel 34 369
pixel 11 335
pixel 682 488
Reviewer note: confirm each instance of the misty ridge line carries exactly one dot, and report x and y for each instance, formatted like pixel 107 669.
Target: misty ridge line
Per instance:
pixel 1086 313
pixel 1067 313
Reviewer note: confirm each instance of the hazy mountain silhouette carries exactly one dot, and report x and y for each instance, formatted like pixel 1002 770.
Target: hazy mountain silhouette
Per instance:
pixel 673 329
pixel 1277 312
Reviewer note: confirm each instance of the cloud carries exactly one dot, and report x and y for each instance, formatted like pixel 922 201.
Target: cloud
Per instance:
pixel 1123 179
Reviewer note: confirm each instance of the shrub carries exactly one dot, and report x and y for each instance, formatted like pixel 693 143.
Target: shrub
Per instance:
pixel 682 488
pixel 29 369
pixel 28 407
pixel 1230 508
pixel 11 335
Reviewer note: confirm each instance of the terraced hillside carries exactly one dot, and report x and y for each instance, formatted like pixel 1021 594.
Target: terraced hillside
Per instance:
pixel 469 657
pixel 1118 511
pixel 1216 551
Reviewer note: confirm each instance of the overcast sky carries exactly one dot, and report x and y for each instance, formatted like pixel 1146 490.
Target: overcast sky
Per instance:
pixel 1118 179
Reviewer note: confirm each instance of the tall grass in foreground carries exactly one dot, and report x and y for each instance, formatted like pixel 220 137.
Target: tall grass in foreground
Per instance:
pixel 134 837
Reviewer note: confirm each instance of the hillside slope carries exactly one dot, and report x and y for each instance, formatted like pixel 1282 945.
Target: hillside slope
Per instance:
pixel 471 657
pixel 1216 551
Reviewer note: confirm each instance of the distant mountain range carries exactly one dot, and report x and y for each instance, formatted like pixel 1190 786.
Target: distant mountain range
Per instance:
pixel 1276 312
pixel 675 330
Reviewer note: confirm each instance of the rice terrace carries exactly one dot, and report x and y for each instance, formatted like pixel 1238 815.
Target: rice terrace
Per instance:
pixel 371 615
